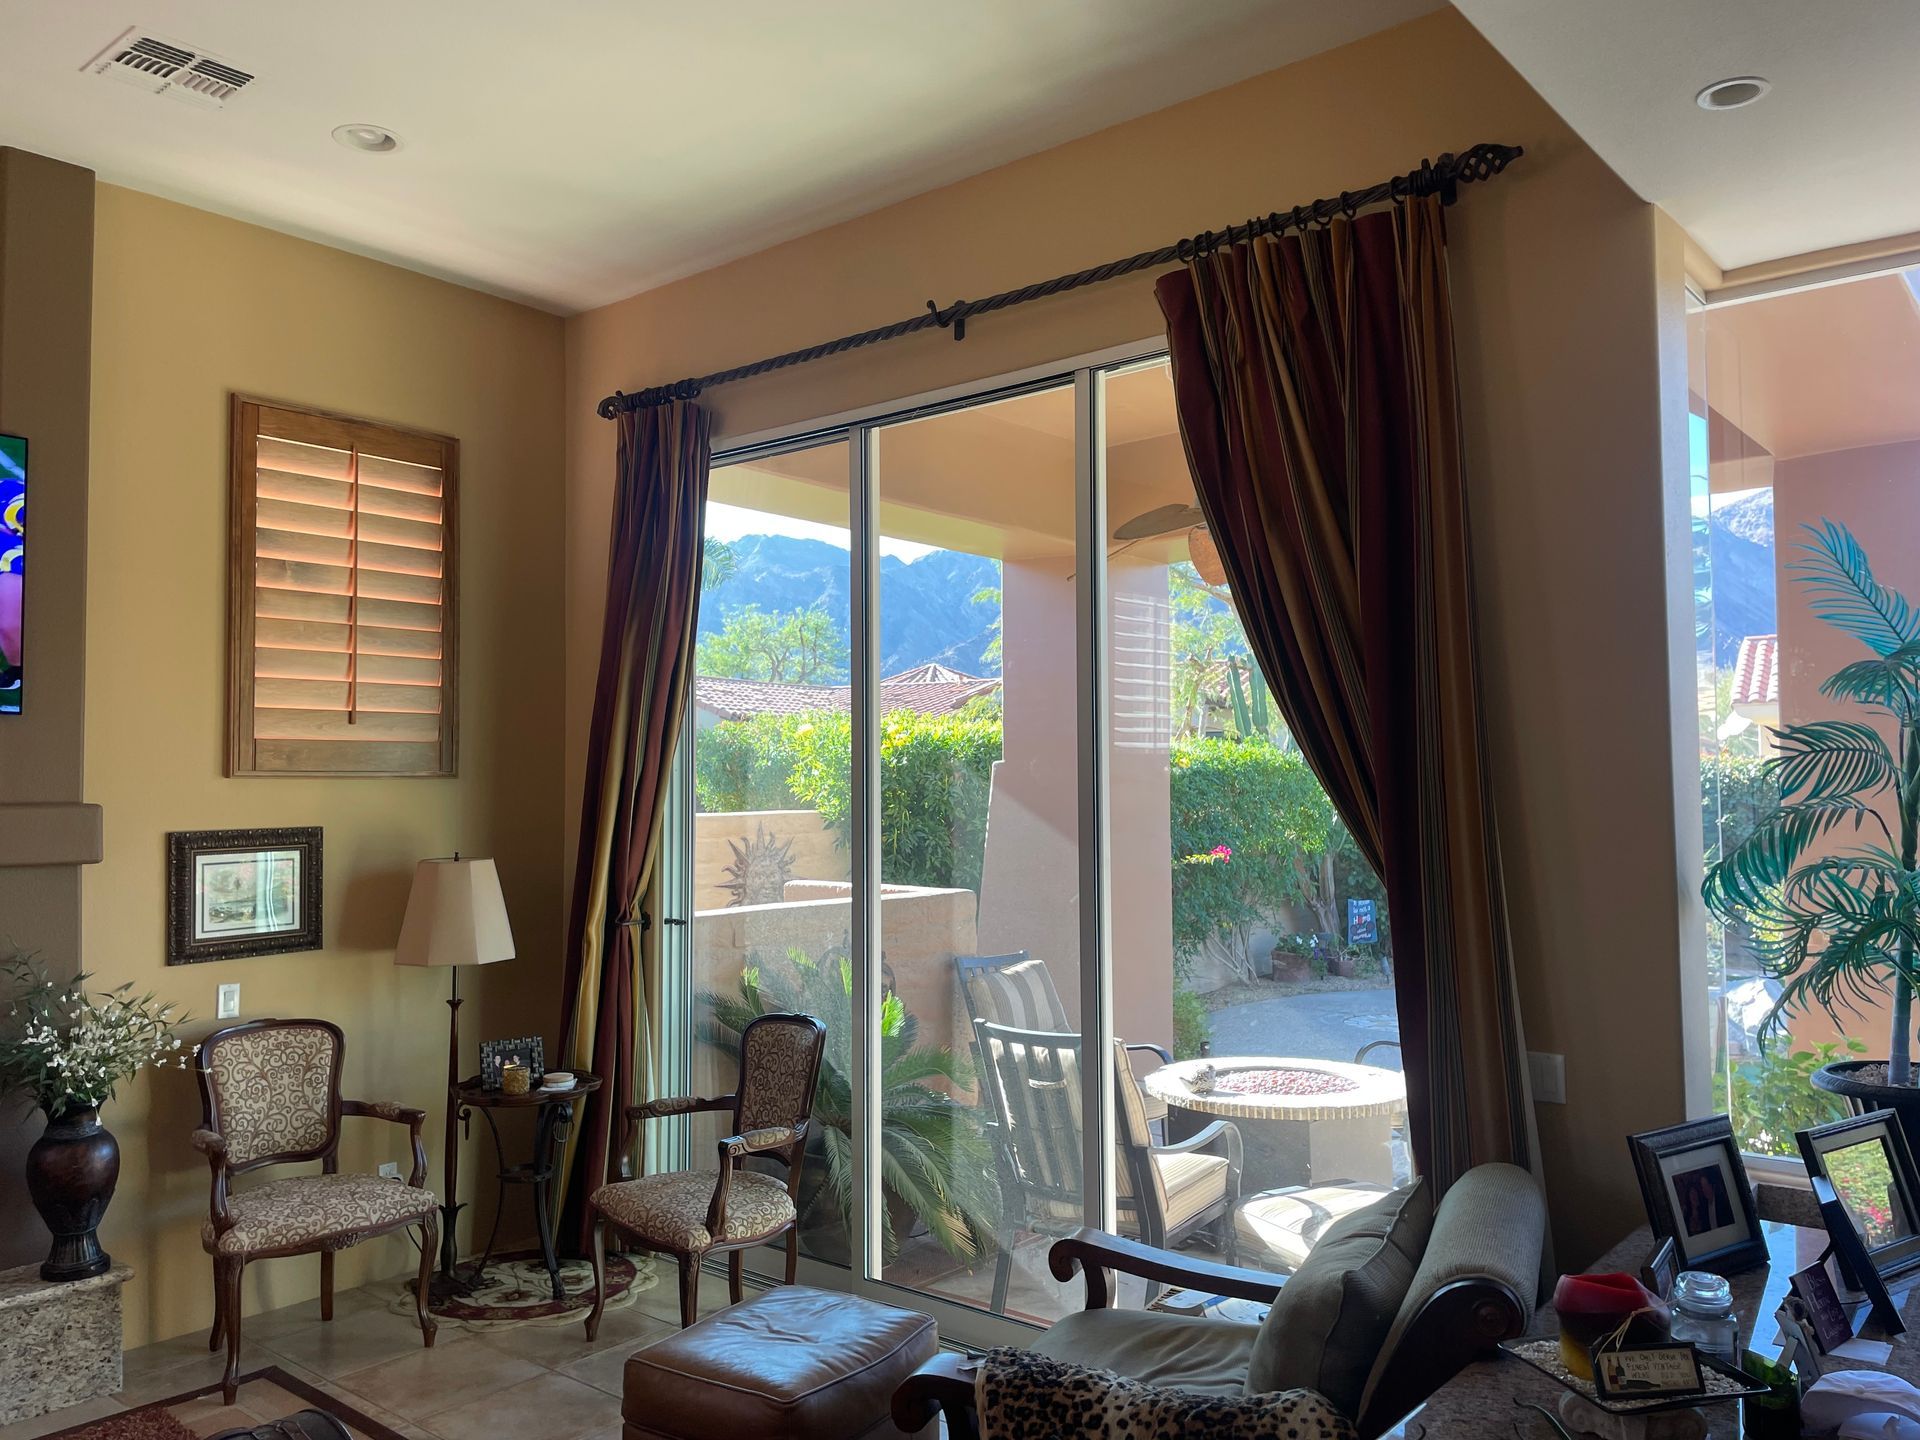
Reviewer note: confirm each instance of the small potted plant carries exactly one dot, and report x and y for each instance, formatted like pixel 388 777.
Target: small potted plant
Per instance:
pixel 1828 881
pixel 69 1049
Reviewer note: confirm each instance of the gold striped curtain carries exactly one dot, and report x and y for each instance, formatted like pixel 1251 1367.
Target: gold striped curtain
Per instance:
pixel 1314 376
pixel 612 988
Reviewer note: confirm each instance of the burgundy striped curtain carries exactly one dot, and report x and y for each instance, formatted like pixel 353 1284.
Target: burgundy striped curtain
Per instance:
pixel 646 669
pixel 1314 376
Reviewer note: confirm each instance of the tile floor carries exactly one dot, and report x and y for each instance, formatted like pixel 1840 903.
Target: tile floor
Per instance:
pixel 531 1382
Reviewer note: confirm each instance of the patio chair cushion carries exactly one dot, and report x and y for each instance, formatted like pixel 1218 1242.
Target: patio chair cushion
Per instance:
pixel 1183 1352
pixel 1022 1394
pixel 1330 1320
pixel 669 1212
pixel 1288 1223
pixel 324 1212
pixel 1192 1182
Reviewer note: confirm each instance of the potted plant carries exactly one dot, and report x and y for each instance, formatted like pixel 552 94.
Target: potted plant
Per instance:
pixel 936 1166
pixel 1827 881
pixel 69 1049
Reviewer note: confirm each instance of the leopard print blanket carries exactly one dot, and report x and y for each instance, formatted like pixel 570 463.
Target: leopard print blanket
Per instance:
pixel 1024 1396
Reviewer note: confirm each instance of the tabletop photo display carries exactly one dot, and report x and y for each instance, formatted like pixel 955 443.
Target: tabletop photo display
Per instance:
pixel 527 1050
pixel 1695 1188
pixel 1867 1161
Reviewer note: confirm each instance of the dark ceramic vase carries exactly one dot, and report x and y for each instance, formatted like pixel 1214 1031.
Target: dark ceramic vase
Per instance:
pixel 71 1172
pixel 1843 1078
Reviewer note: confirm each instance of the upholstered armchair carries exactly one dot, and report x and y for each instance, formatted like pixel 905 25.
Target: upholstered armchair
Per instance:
pixel 689 1214
pixel 270 1095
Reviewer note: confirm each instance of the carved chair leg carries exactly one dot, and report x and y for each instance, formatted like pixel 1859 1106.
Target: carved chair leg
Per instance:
pixel 599 1276
pixel 326 1284
pixel 423 1285
pixel 733 1275
pixel 230 1286
pixel 793 1253
pixel 689 1290
pixel 219 1332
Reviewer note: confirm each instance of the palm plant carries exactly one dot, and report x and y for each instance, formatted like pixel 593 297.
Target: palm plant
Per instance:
pixel 934 1157
pixel 1836 925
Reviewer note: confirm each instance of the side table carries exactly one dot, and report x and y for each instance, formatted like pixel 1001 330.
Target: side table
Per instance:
pixel 555 1113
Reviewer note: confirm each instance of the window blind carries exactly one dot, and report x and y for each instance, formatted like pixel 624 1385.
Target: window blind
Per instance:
pixel 344 655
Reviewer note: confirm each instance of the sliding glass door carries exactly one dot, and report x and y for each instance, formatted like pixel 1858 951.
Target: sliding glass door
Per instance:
pixel 955 659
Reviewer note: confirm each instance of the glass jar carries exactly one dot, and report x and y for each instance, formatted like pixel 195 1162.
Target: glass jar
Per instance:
pixel 1703 1314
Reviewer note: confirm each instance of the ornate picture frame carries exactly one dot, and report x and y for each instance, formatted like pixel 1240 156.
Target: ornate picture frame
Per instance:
pixel 235 893
pixel 1695 1187
pixel 529 1050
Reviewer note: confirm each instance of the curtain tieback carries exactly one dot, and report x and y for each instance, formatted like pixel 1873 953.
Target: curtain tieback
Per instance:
pixel 643 921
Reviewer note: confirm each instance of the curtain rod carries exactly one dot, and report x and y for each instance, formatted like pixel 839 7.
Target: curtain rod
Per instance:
pixel 1441 177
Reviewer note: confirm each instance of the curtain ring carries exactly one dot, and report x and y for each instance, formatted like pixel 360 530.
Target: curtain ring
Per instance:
pixel 1347 207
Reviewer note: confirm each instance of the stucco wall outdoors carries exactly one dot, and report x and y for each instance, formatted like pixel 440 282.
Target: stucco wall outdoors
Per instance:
pixel 1558 283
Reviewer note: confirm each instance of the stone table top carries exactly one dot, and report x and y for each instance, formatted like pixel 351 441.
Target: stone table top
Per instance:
pixel 1364 1090
pixel 23 1286
pixel 1484 1394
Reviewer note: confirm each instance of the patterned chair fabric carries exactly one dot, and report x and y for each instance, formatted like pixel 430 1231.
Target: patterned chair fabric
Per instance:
pixel 273 1090
pixel 778 1067
pixel 314 1212
pixel 669 1212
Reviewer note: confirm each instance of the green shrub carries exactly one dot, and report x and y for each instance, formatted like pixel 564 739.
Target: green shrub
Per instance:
pixel 1191 1027
pixel 1773 1096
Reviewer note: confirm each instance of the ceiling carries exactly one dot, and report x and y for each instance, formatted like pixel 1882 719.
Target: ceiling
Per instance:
pixel 1828 158
pixel 570 154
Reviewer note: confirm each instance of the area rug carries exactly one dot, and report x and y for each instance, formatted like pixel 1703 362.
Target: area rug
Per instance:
pixel 515 1291
pixel 263 1395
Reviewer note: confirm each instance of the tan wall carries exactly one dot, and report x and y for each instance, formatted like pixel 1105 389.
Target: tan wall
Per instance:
pixel 816 855
pixel 188 307
pixel 1556 280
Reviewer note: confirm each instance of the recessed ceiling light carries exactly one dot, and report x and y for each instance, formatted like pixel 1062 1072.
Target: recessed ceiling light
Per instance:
pixel 373 139
pixel 1733 93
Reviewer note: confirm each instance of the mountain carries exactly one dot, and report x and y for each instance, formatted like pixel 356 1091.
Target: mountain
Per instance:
pixel 1741 535
pixel 927 611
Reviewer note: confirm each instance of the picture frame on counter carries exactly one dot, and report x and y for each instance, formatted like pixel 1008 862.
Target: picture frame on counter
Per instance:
pixel 237 893
pixel 1868 1162
pixel 527 1050
pixel 1695 1187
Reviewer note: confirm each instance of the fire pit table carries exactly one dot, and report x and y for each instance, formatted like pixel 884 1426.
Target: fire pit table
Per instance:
pixel 1302 1122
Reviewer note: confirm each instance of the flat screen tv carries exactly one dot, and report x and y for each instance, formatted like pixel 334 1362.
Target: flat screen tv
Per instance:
pixel 13 568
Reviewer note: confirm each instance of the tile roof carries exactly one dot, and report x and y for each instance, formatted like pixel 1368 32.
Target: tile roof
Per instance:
pixel 925 689
pixel 1756 671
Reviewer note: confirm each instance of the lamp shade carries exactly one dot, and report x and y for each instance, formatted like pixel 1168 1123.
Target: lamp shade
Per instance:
pixel 455 916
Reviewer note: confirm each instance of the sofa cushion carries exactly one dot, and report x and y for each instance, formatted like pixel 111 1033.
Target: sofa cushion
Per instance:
pixel 1330 1319
pixel 1182 1351
pixel 1020 1394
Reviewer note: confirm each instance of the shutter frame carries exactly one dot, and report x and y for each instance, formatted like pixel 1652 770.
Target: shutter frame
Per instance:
pixel 250 753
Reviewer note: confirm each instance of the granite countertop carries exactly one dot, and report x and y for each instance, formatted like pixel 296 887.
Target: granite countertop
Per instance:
pixel 1481 1399
pixel 23 1286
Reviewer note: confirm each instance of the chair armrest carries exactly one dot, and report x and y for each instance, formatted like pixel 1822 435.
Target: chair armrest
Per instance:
pixel 1094 1252
pixel 944 1385
pixel 1222 1138
pixel 1166 1055
pixel 405 1115
pixel 678 1105
pixel 751 1142
pixel 213 1145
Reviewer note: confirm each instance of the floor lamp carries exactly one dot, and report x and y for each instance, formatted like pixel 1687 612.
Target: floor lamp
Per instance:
pixel 455 916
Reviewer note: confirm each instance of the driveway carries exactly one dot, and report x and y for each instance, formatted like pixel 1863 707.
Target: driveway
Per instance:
pixel 1332 1025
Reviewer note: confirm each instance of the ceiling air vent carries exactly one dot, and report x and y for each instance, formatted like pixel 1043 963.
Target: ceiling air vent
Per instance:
pixel 166 67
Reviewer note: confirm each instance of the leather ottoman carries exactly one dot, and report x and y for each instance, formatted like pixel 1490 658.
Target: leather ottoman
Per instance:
pixel 793 1362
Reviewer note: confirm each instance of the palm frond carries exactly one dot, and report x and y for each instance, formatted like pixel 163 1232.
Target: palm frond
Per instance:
pixel 1760 864
pixel 1842 591
pixel 1832 760
pixel 1890 683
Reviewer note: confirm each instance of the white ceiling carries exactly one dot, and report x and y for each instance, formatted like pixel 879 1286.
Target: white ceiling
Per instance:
pixel 1829 158
pixel 571 152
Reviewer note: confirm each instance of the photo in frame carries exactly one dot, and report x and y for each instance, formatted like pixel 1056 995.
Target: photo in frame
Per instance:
pixel 527 1050
pixel 1695 1188
pixel 234 893
pixel 1867 1160
pixel 1820 1305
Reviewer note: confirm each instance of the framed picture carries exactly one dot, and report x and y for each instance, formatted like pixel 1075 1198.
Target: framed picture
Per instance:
pixel 1866 1159
pixel 1647 1372
pixel 527 1050
pixel 232 893
pixel 1662 1267
pixel 1820 1303
pixel 1696 1191
pixel 1850 1255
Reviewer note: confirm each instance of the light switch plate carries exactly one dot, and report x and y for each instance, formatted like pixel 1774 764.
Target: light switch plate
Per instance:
pixel 227 1007
pixel 390 1170
pixel 1549 1076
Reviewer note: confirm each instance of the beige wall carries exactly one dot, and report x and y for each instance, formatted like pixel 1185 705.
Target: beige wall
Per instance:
pixel 1556 274
pixel 188 307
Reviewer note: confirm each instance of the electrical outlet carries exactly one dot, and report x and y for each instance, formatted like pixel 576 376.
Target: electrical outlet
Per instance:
pixel 390 1170
pixel 1549 1076
pixel 227 1007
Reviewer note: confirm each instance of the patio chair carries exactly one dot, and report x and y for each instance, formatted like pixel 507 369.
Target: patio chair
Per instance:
pixel 1018 991
pixel 1032 1083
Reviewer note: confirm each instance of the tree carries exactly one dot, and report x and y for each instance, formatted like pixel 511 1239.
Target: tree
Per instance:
pixel 795 647
pixel 1205 632
pixel 718 563
pixel 990 595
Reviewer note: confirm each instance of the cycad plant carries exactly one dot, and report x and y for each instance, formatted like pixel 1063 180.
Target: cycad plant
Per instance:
pixel 934 1157
pixel 1837 924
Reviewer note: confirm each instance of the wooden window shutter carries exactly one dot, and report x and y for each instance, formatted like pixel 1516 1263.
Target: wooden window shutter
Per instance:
pixel 344 623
